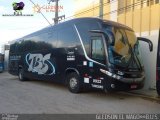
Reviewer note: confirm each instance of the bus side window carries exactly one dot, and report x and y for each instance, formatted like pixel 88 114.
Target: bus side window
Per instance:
pixel 97 50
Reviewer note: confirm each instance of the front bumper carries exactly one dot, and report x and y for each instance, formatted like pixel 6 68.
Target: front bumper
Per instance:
pixel 132 80
pixel 127 81
pixel 124 84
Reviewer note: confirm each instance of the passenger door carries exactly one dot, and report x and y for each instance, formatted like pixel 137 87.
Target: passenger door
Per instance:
pixel 98 57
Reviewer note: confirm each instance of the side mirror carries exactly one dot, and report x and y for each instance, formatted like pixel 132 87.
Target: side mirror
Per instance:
pixel 148 41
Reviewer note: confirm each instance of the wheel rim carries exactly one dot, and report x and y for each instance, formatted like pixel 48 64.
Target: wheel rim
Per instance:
pixel 73 83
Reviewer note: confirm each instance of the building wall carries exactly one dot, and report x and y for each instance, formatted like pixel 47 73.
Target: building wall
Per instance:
pixel 141 15
pixel 113 9
pixel 89 8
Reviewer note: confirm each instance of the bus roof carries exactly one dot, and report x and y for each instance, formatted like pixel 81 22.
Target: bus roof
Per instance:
pixel 74 21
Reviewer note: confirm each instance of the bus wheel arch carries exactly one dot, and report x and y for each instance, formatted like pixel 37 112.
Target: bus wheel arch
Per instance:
pixel 21 74
pixel 69 71
pixel 73 81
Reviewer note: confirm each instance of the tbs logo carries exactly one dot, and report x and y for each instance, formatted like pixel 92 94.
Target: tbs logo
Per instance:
pixel 37 63
pixel 18 7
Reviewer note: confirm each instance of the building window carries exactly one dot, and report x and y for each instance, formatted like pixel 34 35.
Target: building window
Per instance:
pixel 121 6
pixel 137 4
pixel 144 3
pixel 128 5
pixel 156 1
pixel 151 2
pixel 148 2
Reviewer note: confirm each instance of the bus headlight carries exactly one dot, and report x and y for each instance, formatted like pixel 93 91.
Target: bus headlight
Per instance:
pixel 110 74
pixel 120 73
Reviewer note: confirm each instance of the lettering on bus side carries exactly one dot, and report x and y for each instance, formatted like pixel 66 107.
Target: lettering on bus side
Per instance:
pixel 97 86
pixel 15 57
pixel 97 81
pixel 37 63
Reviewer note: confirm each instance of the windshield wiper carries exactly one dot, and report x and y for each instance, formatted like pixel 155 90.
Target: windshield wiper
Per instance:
pixel 133 58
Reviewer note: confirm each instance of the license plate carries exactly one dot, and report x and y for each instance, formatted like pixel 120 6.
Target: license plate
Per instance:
pixel 133 86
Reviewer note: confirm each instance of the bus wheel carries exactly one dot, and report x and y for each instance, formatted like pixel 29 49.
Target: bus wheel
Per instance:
pixel 21 75
pixel 73 82
pixel 158 87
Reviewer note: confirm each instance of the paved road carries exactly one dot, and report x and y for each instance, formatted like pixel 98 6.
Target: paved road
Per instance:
pixel 47 97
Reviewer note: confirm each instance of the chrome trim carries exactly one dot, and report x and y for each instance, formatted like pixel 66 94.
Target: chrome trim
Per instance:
pixel 121 78
pixel 132 80
pixel 106 72
pixel 86 56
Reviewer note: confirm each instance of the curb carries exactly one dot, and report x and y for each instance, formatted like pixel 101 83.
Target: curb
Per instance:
pixel 144 96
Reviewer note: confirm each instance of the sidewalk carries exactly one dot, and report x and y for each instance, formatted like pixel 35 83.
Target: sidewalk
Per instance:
pixel 150 94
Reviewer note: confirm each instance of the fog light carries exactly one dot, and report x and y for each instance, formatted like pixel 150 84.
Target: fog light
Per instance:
pixel 120 73
pixel 112 85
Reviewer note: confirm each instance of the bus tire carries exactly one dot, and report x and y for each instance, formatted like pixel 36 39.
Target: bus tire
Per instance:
pixel 158 87
pixel 73 83
pixel 109 90
pixel 21 75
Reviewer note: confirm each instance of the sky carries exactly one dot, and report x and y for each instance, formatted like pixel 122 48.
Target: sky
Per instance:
pixel 13 27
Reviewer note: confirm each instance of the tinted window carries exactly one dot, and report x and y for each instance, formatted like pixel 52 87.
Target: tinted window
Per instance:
pixel 98 49
pixel 84 28
pixel 53 37
pixel 67 37
pixel 13 48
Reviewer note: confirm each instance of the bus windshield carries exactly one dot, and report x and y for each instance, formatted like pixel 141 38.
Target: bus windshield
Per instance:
pixel 124 51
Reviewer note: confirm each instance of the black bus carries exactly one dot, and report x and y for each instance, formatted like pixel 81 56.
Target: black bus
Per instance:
pixel 83 53
pixel 158 67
